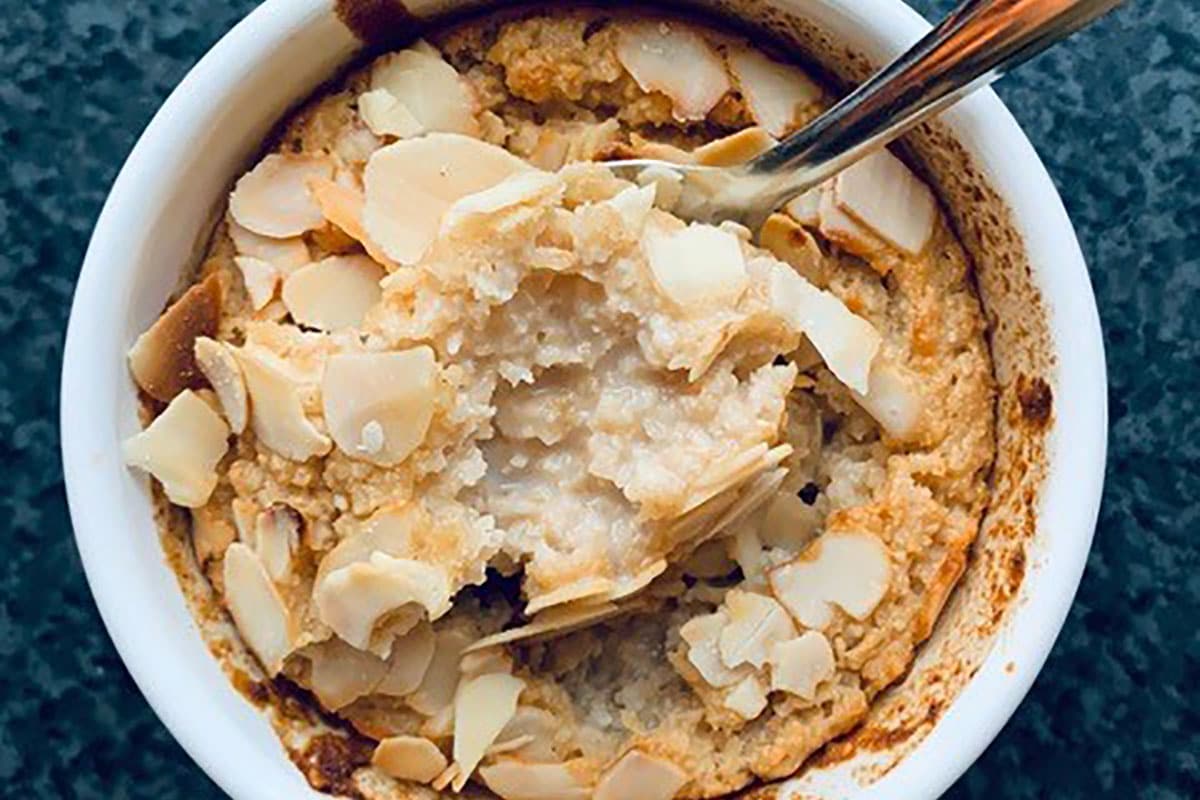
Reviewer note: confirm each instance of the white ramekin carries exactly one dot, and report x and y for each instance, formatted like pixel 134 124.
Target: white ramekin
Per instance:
pixel 155 222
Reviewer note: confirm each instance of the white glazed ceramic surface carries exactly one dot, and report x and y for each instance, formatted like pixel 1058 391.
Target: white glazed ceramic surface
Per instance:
pixel 155 222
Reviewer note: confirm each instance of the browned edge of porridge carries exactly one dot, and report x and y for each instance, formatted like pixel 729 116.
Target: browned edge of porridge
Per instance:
pixel 328 751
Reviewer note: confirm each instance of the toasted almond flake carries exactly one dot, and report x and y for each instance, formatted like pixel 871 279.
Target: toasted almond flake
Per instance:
pixel 777 94
pixel 844 230
pixel 437 688
pixel 162 359
pixel 181 449
pixel 441 727
pixel 283 254
pixel 273 199
pixel 846 341
pixel 633 204
pixel 535 728
pixel 387 116
pixel 641 147
pixel 449 774
pixel 702 635
pixel 559 619
pixel 411 183
pixel 260 278
pixel 847 569
pixel 791 243
pixel 516 189
pixel 586 587
pixel 481 662
pixel 340 674
pixel 789 523
pixel 409 661
pixel 737 148
pixel 394 390
pixel 892 398
pixel 753 493
pixel 748 698
pixel 211 534
pixel 667 183
pixel 409 758
pixel 805 208
pixel 638 776
pixel 507 746
pixel 628 585
pixel 697 264
pixel 517 780
pixel 221 370
pixel 482 707
pixel 256 607
pixel 343 206
pixel 354 599
pixel 277 536
pixel 276 412
pixel 653 53
pixel 755 623
pixel 334 293
pixel 801 664
pixel 882 193
pixel 432 93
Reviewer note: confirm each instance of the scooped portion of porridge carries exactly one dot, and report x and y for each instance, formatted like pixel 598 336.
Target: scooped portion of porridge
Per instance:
pixel 531 480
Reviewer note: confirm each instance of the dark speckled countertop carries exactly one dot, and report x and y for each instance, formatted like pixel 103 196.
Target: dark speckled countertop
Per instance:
pixel 1115 115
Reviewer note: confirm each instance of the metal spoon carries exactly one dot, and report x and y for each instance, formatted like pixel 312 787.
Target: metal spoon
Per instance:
pixel 974 45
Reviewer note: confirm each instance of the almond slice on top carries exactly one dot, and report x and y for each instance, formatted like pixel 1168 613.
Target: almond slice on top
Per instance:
pixel 673 59
pixel 748 698
pixel 385 115
pixel 437 688
pixel 880 192
pixel 849 570
pixel 846 341
pixel 276 412
pixel 431 94
pixel 221 370
pixel 284 254
pixel 181 449
pixel 638 776
pixel 333 294
pixel 893 398
pixel 697 264
pixel 261 279
pixel 800 665
pixel 518 189
pixel 162 359
pixel 755 623
pixel 256 607
pixel 411 655
pixel 340 674
pixel 379 406
pixel 409 758
pixel 273 198
pixel 737 148
pixel 777 94
pixel 517 780
pixel 482 707
pixel 410 184
pixel 702 635
pixel 343 206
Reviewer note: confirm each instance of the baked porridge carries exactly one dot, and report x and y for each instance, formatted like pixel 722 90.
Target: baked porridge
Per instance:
pixel 532 481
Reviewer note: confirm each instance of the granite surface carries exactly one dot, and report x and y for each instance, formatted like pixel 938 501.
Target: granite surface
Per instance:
pixel 1116 116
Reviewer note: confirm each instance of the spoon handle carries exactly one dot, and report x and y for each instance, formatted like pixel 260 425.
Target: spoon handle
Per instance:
pixel 975 44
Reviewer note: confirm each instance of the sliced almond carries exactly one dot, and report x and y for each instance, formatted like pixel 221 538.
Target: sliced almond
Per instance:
pixel 211 533
pixel 482 707
pixel 893 399
pixel 481 662
pixel 882 193
pixel 181 449
pixel 162 359
pixel 448 775
pixel 437 688
pixel 535 728
pixel 276 412
pixel 517 780
pixel 845 569
pixel 385 115
pixel 283 254
pixel 556 620
pixel 653 53
pixel 777 94
pixel 409 758
pixel 273 198
pixel 637 776
pixel 517 189
pixel 256 607
pixel 586 587
pixel 697 264
pixel 702 635
pixel 755 623
pixel 846 341
pixel 806 208
pixel 410 184
pixel 277 537
pixel 221 369
pixel 748 698
pixel 737 148
pixel 843 229
pixel 791 243
pixel 334 293
pixel 260 278
pixel 432 93
pixel 340 674
pixel 378 406
pixel 409 661
pixel 343 206
pixel 801 664
pixel 353 600
pixel 789 523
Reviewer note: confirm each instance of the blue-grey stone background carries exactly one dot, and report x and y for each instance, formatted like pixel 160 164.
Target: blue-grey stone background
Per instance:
pixel 1115 114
